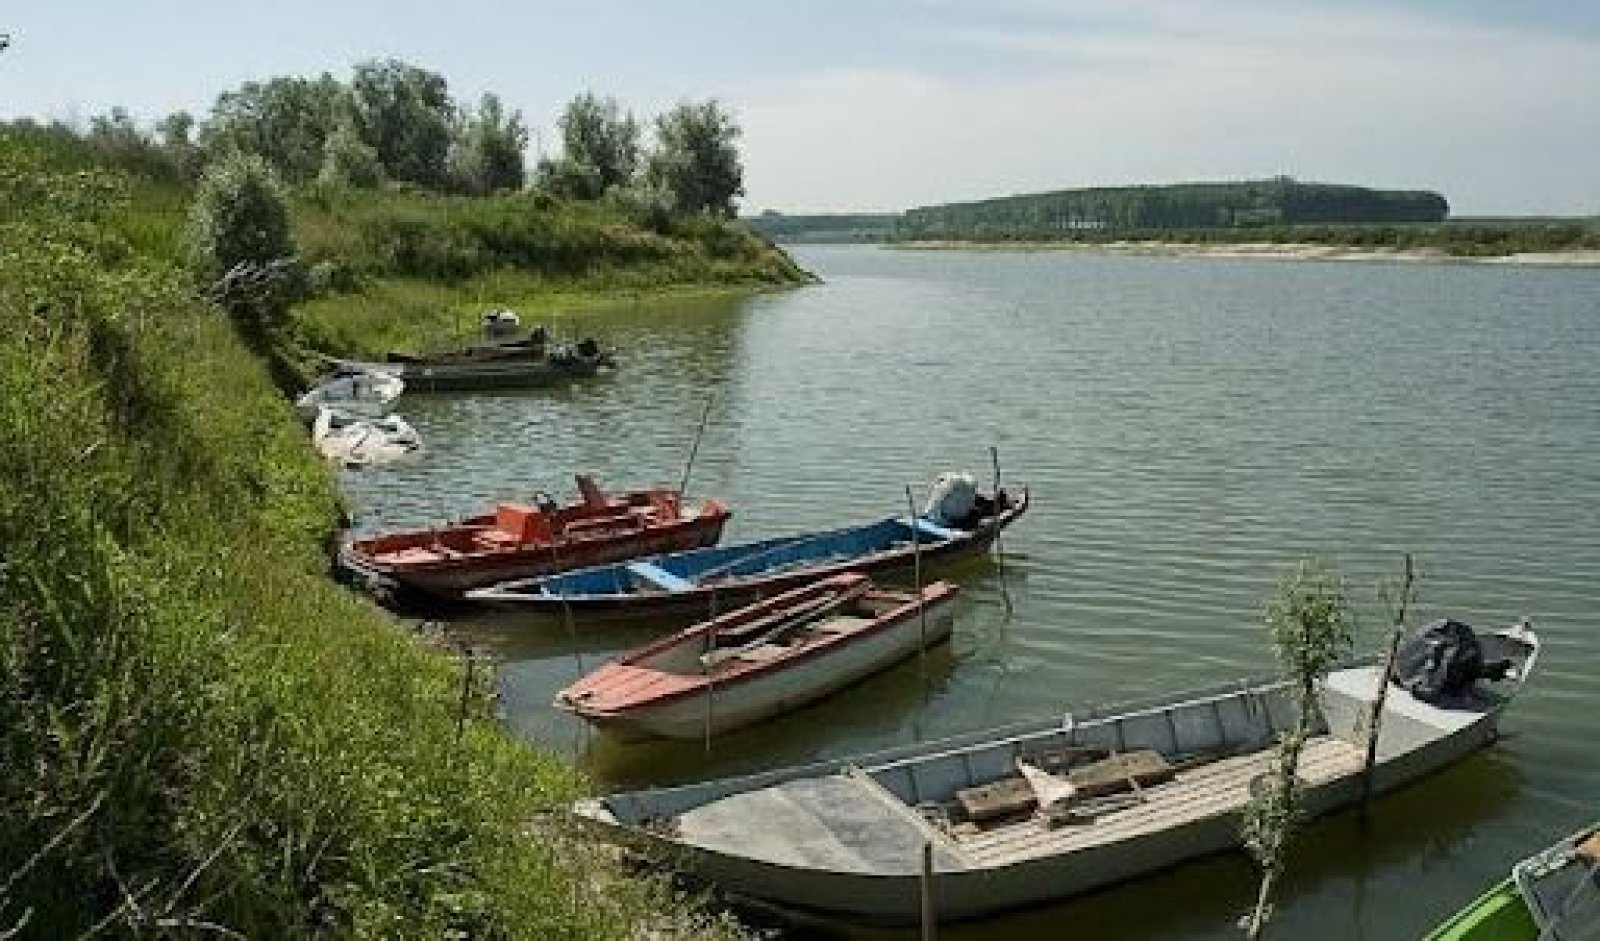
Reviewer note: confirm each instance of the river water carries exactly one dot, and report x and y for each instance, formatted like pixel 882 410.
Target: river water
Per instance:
pixel 1189 428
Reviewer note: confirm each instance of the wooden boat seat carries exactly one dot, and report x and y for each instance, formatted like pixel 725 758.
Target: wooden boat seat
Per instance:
pixel 495 539
pixel 928 527
pixel 659 577
pixel 1014 795
pixel 414 555
pixel 622 520
pixel 764 652
pixel 841 624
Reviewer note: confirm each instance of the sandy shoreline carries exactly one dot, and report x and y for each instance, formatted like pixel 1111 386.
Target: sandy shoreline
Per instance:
pixel 1272 251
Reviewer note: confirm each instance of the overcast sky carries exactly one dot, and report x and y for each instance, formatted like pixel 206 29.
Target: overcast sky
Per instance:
pixel 887 104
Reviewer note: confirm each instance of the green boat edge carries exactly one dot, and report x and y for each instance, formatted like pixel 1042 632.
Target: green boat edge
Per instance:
pixel 1499 914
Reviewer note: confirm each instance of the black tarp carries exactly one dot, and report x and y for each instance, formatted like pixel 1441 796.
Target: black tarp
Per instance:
pixel 1440 661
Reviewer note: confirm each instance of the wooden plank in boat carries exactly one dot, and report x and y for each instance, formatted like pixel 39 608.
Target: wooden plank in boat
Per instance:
pixel 1013 795
pixel 1003 798
pixel 1220 787
pixel 1110 775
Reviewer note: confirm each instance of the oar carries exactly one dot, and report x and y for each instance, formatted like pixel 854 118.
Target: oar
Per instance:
pixel 794 619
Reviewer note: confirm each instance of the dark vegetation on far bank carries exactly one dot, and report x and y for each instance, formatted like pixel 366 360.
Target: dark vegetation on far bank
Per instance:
pixel 1279 211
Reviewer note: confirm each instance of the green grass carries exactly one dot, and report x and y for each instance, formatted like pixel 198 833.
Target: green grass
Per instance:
pixel 417 270
pixel 200 733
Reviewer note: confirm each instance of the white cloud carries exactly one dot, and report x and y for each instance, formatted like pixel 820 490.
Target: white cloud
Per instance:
pixel 1499 120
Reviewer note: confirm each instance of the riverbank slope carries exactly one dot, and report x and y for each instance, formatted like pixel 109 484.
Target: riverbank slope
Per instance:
pixel 200 732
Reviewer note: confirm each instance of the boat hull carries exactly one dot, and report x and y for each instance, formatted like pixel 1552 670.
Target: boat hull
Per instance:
pixel 1498 915
pixel 696 601
pixel 845 838
pixel 451 579
pixel 494 374
pixel 964 894
pixel 773 693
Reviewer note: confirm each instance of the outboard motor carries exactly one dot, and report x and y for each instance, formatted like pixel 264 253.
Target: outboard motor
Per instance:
pixel 952 499
pixel 1441 661
pixel 500 323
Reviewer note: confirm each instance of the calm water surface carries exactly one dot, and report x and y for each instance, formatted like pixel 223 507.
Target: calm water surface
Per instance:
pixel 1190 428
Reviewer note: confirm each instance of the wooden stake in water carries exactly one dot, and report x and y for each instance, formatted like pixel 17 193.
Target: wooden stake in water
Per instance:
pixel 466 689
pixel 1375 718
pixel 688 466
pixel 930 921
pixel 581 735
pixel 916 579
pixel 999 549
pixel 711 680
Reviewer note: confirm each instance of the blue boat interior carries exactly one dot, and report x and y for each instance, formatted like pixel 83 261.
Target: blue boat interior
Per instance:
pixel 677 572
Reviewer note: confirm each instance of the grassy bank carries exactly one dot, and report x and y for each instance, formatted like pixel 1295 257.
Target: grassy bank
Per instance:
pixel 200 733
pixel 409 269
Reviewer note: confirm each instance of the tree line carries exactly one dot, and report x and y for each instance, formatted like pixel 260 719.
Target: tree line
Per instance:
pixel 394 122
pixel 1247 204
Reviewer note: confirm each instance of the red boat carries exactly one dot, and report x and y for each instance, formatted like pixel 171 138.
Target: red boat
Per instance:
pixel 521 541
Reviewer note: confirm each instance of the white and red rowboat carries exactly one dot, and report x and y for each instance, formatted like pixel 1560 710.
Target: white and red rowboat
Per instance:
pixel 761 660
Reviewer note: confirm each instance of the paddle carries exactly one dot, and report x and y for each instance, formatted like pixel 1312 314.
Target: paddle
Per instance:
pixel 790 622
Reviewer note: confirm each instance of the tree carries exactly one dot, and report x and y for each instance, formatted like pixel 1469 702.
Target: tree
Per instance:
pixel 286 121
pixel 240 245
pixel 175 136
pixel 405 114
pixel 1311 628
pixel 599 142
pixel 347 161
pixel 487 156
pixel 697 159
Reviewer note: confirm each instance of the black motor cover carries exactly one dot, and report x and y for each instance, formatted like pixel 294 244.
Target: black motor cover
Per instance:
pixel 1439 662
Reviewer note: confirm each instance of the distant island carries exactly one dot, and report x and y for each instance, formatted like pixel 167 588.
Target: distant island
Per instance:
pixel 1275 212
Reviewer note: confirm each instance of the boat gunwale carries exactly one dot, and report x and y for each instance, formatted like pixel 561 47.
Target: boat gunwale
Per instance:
pixel 515 554
pixel 934 594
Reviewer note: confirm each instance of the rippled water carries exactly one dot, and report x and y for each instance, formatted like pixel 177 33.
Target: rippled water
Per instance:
pixel 1190 428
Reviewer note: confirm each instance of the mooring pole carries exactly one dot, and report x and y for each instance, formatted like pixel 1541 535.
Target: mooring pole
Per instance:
pixel 694 449
pixel 999 549
pixel 1375 718
pixel 930 921
pixel 711 680
pixel 916 578
pixel 466 689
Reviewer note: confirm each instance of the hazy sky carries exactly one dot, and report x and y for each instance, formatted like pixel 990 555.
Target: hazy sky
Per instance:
pixel 886 104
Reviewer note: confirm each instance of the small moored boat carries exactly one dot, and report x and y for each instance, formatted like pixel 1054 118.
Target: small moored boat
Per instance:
pixel 519 541
pixel 358 442
pixel 1553 895
pixel 761 660
pixel 351 388
pixel 700 582
pixel 528 362
pixel 1124 792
